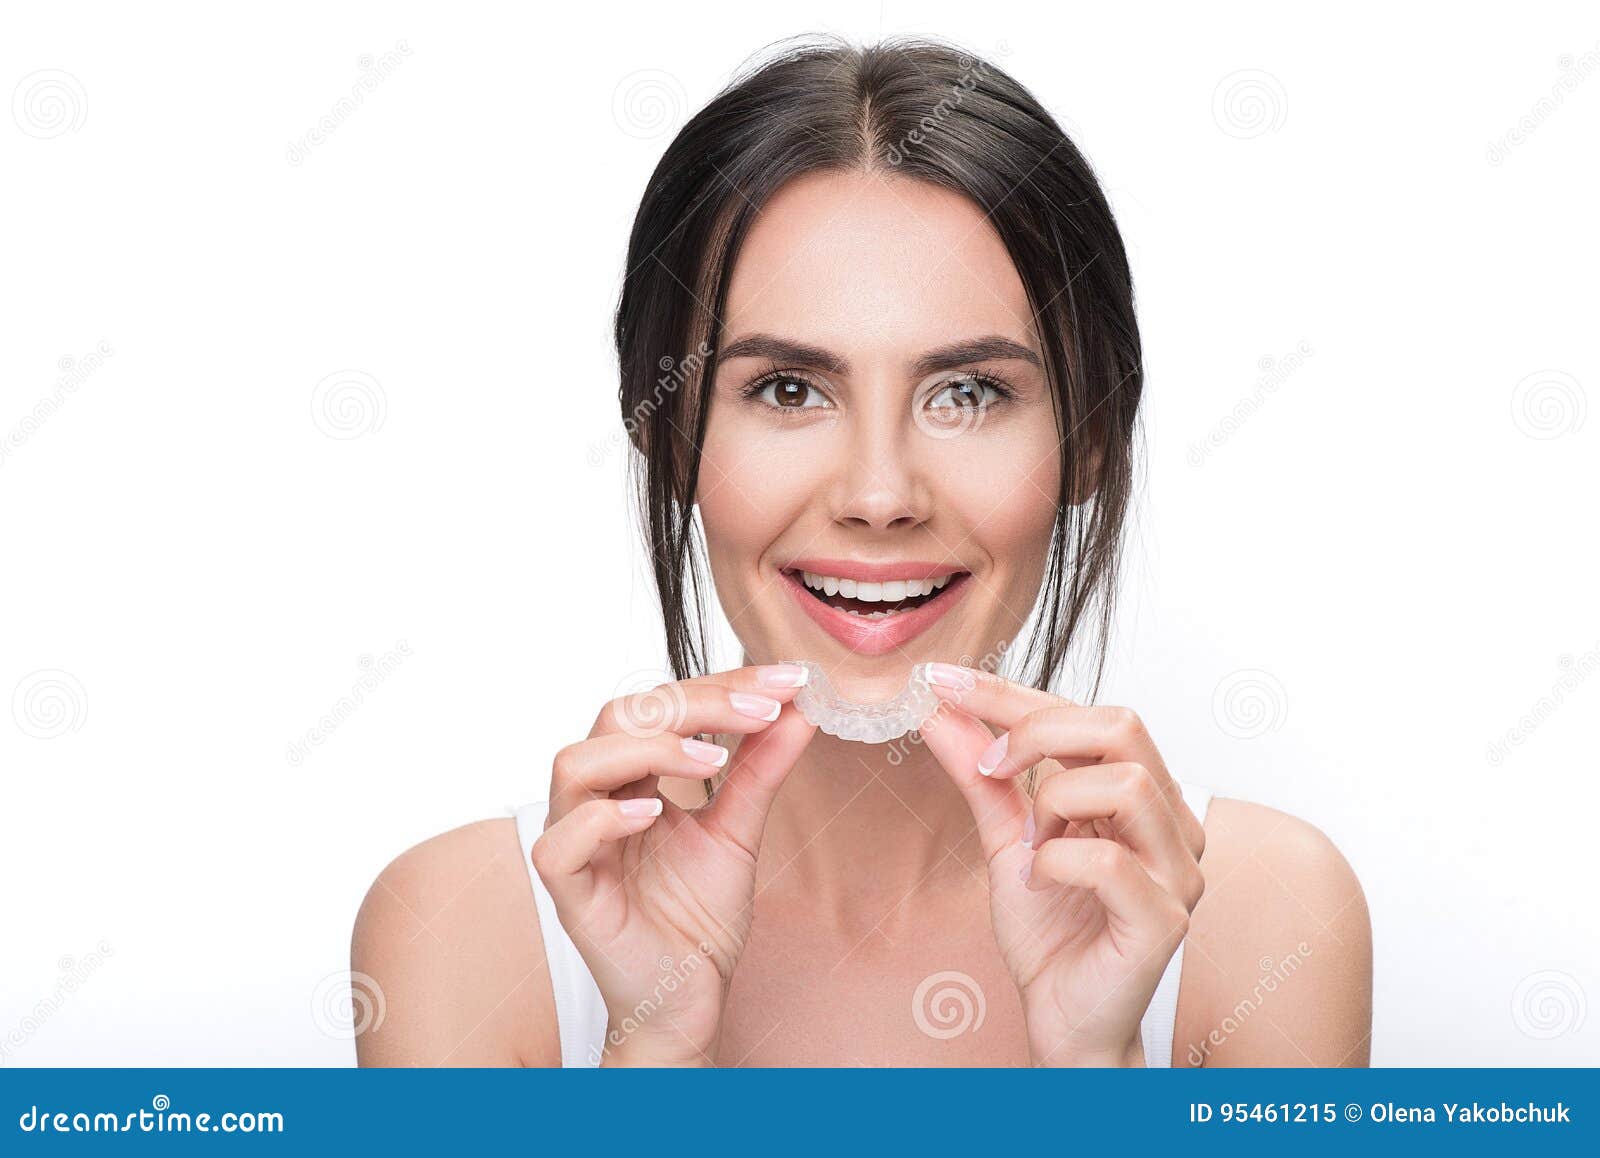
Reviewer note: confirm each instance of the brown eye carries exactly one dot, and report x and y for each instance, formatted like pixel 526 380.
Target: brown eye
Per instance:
pixel 790 394
pixel 964 393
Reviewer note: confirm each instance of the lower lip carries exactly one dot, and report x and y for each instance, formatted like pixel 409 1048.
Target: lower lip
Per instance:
pixel 876 636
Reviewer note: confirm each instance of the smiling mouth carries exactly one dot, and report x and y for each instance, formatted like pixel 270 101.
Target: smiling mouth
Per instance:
pixel 878 600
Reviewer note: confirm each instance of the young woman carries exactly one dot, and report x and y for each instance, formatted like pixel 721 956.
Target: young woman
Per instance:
pixel 880 365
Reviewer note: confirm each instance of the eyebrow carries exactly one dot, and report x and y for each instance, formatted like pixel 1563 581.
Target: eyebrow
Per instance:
pixel 786 352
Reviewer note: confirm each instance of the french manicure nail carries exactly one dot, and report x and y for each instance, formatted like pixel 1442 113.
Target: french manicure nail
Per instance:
pixel 782 675
pixel 1028 830
pixel 757 707
pixel 640 806
pixel 993 755
pixel 948 675
pixel 699 750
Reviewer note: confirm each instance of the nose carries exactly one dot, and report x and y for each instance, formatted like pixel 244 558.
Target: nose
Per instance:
pixel 878 485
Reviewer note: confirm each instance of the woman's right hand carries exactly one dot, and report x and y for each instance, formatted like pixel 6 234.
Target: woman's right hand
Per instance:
pixel 658 899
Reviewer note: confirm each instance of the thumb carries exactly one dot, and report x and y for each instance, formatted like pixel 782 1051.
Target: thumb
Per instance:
pixel 739 810
pixel 999 807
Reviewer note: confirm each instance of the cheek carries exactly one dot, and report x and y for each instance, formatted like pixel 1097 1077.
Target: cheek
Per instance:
pixel 1002 487
pixel 752 486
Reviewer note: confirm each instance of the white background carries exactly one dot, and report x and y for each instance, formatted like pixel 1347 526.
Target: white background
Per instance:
pixel 1396 543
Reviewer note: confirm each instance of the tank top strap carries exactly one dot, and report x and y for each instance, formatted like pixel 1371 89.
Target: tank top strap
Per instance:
pixel 1159 1024
pixel 580 1010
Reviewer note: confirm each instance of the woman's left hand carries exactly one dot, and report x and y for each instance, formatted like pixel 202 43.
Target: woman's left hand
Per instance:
pixel 1091 882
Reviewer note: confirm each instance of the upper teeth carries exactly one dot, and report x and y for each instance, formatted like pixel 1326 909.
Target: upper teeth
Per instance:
pixel 891 592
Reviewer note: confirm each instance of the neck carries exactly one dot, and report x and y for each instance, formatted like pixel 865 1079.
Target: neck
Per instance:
pixel 860 828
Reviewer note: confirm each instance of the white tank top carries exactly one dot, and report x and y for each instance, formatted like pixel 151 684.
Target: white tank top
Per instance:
pixel 581 1012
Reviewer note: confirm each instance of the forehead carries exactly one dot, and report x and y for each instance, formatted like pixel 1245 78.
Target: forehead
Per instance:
pixel 855 258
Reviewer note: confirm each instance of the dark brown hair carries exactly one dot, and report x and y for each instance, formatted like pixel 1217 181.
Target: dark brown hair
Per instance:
pixel 930 112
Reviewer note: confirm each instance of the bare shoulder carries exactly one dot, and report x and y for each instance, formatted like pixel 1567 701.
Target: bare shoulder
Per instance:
pixel 449 936
pixel 1277 968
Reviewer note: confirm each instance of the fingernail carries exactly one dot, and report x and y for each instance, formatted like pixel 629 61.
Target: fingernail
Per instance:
pixel 993 754
pixel 782 675
pixel 706 753
pixel 640 806
pixel 758 707
pixel 1028 830
pixel 948 675
pixel 1027 871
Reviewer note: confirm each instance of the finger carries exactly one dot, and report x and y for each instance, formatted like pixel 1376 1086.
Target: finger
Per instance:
pixel 740 808
pixel 1133 900
pixel 604 764
pixel 999 807
pixel 564 853
pixel 993 699
pixel 1128 798
pixel 1076 733
pixel 745 698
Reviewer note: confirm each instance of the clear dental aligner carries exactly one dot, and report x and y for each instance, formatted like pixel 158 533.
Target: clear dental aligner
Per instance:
pixel 865 723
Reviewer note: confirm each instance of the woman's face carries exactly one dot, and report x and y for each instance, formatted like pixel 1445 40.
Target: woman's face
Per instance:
pixel 880 418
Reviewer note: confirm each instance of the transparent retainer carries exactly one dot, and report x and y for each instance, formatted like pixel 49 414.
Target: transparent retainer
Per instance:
pixel 865 723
